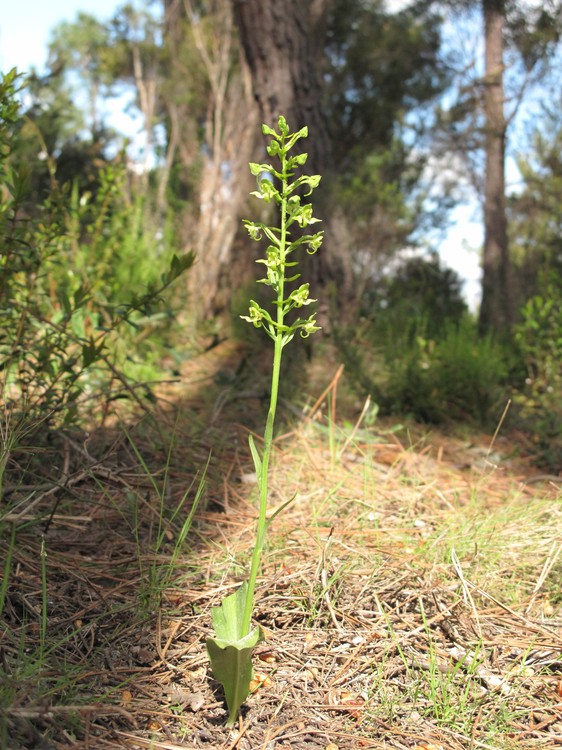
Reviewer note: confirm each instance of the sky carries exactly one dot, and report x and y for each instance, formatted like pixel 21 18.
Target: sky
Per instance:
pixel 24 33
pixel 25 27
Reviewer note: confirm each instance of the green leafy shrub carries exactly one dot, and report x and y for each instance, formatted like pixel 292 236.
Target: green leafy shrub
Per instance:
pixel 71 274
pixel 421 297
pixel 417 351
pixel 456 376
pixel 539 402
pixel 117 254
pixel 461 376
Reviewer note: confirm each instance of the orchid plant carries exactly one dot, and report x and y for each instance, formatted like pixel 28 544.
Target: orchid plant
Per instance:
pixel 231 650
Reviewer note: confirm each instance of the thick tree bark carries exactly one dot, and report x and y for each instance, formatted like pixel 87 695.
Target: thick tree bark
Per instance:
pixel 284 47
pixel 496 311
pixel 230 134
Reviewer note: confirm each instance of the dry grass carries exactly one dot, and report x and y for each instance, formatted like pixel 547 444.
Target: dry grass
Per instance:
pixel 410 594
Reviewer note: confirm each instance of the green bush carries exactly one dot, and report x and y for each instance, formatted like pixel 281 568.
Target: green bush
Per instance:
pixel 422 297
pixel 539 402
pixel 458 377
pixel 417 350
pixel 78 282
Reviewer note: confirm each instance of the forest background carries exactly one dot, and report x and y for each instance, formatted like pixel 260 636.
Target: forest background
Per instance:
pixel 410 588
pixel 405 122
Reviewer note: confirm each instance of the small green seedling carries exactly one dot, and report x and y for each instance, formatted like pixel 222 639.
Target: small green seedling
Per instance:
pixel 231 651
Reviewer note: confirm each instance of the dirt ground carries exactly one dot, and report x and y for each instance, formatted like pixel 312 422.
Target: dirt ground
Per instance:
pixel 375 637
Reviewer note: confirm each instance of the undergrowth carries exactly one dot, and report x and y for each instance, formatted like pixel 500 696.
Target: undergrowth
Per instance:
pixel 402 596
pixel 79 293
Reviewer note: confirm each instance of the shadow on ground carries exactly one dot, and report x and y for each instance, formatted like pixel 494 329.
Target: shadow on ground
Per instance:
pixel 107 585
pixel 102 556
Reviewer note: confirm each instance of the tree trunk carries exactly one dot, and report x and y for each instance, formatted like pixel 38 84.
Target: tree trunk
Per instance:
pixel 284 47
pixel 181 127
pixel 496 310
pixel 231 128
pixel 230 134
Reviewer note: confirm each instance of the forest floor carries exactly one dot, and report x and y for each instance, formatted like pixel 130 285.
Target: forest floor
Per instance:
pixel 410 595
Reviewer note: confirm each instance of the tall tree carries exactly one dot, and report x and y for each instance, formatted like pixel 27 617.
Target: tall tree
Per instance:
pixel 284 47
pixel 496 309
pixel 535 213
pixel 135 56
pixel 81 46
pixel 479 120
pixel 382 74
pixel 53 141
pixel 212 120
pixel 230 128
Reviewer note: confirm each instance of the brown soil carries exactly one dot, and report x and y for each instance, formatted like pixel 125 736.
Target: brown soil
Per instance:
pixel 353 612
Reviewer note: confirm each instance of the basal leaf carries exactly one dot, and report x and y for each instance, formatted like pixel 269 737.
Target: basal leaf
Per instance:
pixel 231 652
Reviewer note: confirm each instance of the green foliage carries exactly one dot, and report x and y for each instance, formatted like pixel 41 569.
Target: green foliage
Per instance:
pixel 230 652
pixel 378 65
pixel 421 290
pixel 539 337
pixel 50 144
pixel 534 31
pixel 457 377
pixel 134 37
pixel 536 245
pixel 385 196
pixel 70 275
pixel 418 352
pixel 82 47
pixel 535 213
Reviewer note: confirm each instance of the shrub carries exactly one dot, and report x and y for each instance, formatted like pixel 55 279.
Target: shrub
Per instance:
pixel 420 297
pixel 539 402
pixel 458 376
pixel 68 283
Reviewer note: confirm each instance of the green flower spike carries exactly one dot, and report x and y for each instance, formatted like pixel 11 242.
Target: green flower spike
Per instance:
pixel 230 651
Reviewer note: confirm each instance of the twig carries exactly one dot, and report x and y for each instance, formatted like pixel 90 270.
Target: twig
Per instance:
pixel 332 386
pixel 357 425
pixel 498 428
pixel 465 586
pixel 322 571
pixel 552 557
pixel 522 618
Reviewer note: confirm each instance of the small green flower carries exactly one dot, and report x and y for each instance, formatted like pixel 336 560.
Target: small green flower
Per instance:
pixel 314 242
pixel 299 297
pixel 256 314
pixel 304 216
pixel 254 230
pixel 273 149
pixel 268 190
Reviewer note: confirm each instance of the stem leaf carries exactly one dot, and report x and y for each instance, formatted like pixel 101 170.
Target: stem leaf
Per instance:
pixel 256 457
pixel 280 509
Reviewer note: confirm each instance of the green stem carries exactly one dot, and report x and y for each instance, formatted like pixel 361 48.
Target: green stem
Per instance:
pixel 268 434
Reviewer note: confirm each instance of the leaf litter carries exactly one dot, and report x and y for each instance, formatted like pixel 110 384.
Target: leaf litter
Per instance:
pixel 410 595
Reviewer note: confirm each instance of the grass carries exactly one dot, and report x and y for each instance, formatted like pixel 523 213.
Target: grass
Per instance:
pixel 410 594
